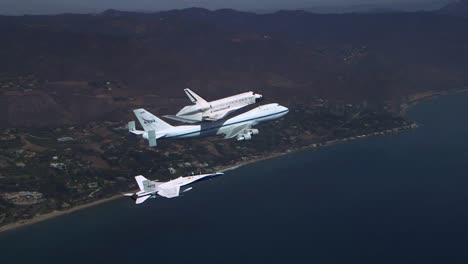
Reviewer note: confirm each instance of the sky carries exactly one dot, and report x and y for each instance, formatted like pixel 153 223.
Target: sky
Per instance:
pixel 17 7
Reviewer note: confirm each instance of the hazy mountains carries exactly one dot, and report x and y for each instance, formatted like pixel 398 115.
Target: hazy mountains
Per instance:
pixel 287 55
pixel 457 8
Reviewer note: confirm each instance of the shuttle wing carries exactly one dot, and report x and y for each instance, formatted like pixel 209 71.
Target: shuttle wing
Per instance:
pixel 170 192
pixel 216 117
pixel 195 118
pixel 181 119
pixel 223 114
pixel 236 130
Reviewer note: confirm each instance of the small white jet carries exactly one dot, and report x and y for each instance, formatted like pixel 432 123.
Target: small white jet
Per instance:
pixel 239 126
pixel 201 110
pixel 170 189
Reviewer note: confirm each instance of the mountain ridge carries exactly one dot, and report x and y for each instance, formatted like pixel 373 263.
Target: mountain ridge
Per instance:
pixel 288 56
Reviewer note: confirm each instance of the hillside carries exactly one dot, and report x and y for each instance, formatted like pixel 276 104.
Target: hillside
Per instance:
pixel 91 67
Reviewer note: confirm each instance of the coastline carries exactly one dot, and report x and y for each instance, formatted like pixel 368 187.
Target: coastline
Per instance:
pixel 54 214
pixel 415 99
pixel 404 106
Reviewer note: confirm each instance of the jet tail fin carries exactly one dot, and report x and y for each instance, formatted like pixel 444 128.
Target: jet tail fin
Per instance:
pixel 145 184
pixel 140 179
pixel 195 98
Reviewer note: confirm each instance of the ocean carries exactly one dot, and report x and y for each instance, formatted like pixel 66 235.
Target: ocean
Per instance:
pixel 398 198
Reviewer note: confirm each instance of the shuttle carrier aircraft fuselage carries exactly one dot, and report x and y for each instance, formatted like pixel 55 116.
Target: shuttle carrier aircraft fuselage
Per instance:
pixel 239 126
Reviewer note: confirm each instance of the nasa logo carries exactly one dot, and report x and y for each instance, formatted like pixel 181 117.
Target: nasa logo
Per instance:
pixel 147 121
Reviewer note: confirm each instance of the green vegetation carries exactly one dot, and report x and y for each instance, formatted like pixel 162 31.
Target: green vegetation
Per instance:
pixel 98 160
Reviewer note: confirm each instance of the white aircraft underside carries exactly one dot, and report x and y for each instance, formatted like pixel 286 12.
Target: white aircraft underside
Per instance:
pixel 239 126
pixel 170 189
pixel 201 110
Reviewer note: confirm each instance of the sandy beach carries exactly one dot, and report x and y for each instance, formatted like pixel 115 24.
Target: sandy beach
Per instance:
pixel 44 217
pixel 40 218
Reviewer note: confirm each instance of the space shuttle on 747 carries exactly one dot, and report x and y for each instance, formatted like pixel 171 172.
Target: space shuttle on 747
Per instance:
pixel 201 110
pixel 239 126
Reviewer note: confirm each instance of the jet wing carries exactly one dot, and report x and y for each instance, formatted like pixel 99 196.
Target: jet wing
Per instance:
pixel 170 192
pixel 236 130
pixel 141 200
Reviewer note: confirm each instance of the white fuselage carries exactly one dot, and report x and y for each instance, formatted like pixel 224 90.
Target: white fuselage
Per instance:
pixel 217 109
pixel 179 182
pixel 257 115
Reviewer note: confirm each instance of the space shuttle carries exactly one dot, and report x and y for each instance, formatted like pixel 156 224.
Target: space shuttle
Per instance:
pixel 201 110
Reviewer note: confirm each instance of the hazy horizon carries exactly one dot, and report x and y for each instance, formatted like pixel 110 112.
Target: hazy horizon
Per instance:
pixel 20 7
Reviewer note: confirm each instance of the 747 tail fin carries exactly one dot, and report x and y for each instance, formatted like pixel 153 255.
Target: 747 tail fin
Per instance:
pixel 149 121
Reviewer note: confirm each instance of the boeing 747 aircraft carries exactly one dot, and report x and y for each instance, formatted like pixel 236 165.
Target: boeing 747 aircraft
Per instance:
pixel 201 110
pixel 170 189
pixel 239 126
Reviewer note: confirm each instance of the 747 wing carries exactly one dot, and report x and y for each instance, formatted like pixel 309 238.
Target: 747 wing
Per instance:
pixel 242 132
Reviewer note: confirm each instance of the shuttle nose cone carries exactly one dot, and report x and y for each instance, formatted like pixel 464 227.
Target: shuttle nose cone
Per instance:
pixel 258 98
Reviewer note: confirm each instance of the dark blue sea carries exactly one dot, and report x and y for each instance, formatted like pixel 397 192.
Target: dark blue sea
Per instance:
pixel 400 198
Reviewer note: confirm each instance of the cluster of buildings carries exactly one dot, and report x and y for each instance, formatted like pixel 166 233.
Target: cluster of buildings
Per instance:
pixel 23 197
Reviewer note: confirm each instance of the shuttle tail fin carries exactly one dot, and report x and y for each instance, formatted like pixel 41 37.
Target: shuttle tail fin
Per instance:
pixel 195 98
pixel 149 121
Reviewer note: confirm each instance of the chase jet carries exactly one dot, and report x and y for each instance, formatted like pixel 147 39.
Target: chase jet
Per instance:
pixel 170 189
pixel 201 110
pixel 239 127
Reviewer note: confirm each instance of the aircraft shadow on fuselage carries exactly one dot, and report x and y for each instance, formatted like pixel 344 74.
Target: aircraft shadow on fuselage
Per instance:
pixel 212 128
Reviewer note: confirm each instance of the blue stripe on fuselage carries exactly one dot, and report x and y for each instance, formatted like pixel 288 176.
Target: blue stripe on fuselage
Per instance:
pixel 217 127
